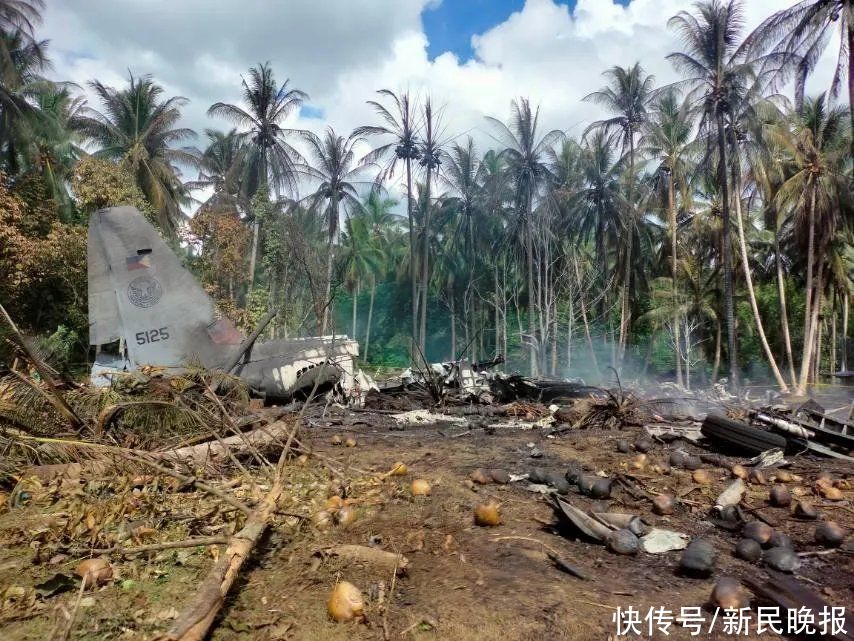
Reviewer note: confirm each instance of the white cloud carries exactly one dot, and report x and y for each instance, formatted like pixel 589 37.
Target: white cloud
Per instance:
pixel 341 51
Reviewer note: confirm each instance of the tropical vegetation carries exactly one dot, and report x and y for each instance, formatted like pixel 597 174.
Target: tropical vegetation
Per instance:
pixel 698 229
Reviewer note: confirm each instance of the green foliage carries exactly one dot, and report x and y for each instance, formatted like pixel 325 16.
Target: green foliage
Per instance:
pixel 98 183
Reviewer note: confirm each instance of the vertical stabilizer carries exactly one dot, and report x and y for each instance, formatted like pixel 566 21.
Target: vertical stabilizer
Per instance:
pixel 140 291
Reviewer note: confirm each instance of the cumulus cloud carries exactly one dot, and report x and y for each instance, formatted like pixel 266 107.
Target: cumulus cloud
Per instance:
pixel 341 51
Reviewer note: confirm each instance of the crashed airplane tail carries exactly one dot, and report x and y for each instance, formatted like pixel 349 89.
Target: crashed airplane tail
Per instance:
pixel 145 308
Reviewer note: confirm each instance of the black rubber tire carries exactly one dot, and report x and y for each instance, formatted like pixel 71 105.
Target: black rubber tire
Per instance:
pixel 740 435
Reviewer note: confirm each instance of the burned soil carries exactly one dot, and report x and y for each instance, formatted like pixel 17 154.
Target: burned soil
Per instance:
pixel 451 579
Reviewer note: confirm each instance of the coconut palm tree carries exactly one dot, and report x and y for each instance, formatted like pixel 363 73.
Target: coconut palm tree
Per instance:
pixel 526 161
pixel 54 140
pixel 137 128
pixel 18 18
pixel 267 106
pixel 270 159
pixel 382 225
pixel 430 159
pixel 220 168
pixel 741 143
pixel 668 141
pixel 400 127
pixel 463 175
pixel 363 258
pixel 627 96
pixel 717 75
pixel 595 208
pixel 22 61
pixel 799 35
pixel 816 153
pixel 334 167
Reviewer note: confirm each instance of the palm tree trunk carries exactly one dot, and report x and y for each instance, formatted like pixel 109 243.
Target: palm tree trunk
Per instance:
pixel 627 275
pixel 729 308
pixel 808 329
pixel 845 332
pixel 833 321
pixel 716 367
pixel 772 362
pixel 355 307
pixel 671 221
pixel 784 314
pixel 687 359
pixel 253 256
pixel 370 316
pixel 497 312
pixel 327 300
pixel 453 325
pixel 529 249
pixel 584 319
pixel 425 267
pixel 569 336
pixel 412 261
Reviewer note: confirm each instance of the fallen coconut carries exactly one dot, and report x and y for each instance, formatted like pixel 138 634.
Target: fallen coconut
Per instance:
pixel 728 594
pixel 345 516
pixel 638 462
pixel 480 477
pixel 677 458
pixel 487 515
pixel 302 460
pixel 585 484
pixel 336 440
pixel 623 542
pixel 781 540
pixel 692 463
pixel 758 531
pixel 831 493
pixel 623 446
pixel 782 559
pixel 346 603
pixel 420 487
pixel 748 550
pixel 663 504
pixel 399 469
pixel 739 472
pixel 757 477
pixel 702 477
pixel 573 472
pixel 537 475
pixel 699 558
pixel 783 476
pixel 829 534
pixel 501 477
pixel 601 489
pixel 558 482
pixel 780 496
pixel 805 510
pixel 94 572
pixel 350 442
pixel 661 468
pixel 644 445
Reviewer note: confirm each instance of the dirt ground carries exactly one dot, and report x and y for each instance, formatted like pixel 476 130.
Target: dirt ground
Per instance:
pixel 463 582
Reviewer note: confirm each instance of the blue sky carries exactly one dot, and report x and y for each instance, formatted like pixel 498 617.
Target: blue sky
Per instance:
pixel 451 24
